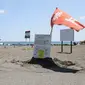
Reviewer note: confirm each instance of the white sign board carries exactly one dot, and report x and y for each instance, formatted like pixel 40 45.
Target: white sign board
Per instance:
pixel 42 46
pixel 67 35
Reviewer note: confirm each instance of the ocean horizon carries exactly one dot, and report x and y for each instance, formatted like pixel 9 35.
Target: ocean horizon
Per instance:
pixel 31 42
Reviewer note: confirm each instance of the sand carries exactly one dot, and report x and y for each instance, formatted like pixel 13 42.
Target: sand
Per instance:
pixel 14 72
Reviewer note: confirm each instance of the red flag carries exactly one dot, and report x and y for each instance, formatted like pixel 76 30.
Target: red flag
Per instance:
pixel 60 17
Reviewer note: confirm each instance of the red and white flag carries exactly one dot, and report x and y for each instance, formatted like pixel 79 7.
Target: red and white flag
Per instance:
pixel 60 17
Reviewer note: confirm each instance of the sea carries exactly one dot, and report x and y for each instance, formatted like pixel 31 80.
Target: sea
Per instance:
pixel 31 42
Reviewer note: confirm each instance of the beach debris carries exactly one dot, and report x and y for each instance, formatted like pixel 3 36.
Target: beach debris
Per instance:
pixel 63 63
pixel 17 62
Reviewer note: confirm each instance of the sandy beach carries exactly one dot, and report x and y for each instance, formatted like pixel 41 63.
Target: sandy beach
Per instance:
pixel 14 72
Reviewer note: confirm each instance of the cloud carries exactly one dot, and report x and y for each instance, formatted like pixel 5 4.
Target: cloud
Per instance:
pixel 82 17
pixel 2 11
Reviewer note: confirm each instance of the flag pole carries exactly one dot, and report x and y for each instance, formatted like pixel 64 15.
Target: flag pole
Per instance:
pixel 51 34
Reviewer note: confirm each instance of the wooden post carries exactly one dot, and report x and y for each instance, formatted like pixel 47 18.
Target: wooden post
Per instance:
pixel 61 46
pixel 70 46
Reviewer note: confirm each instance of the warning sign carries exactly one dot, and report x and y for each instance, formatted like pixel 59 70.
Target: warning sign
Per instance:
pixel 42 46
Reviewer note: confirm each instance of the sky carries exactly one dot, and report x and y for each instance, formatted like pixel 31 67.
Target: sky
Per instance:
pixel 18 16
